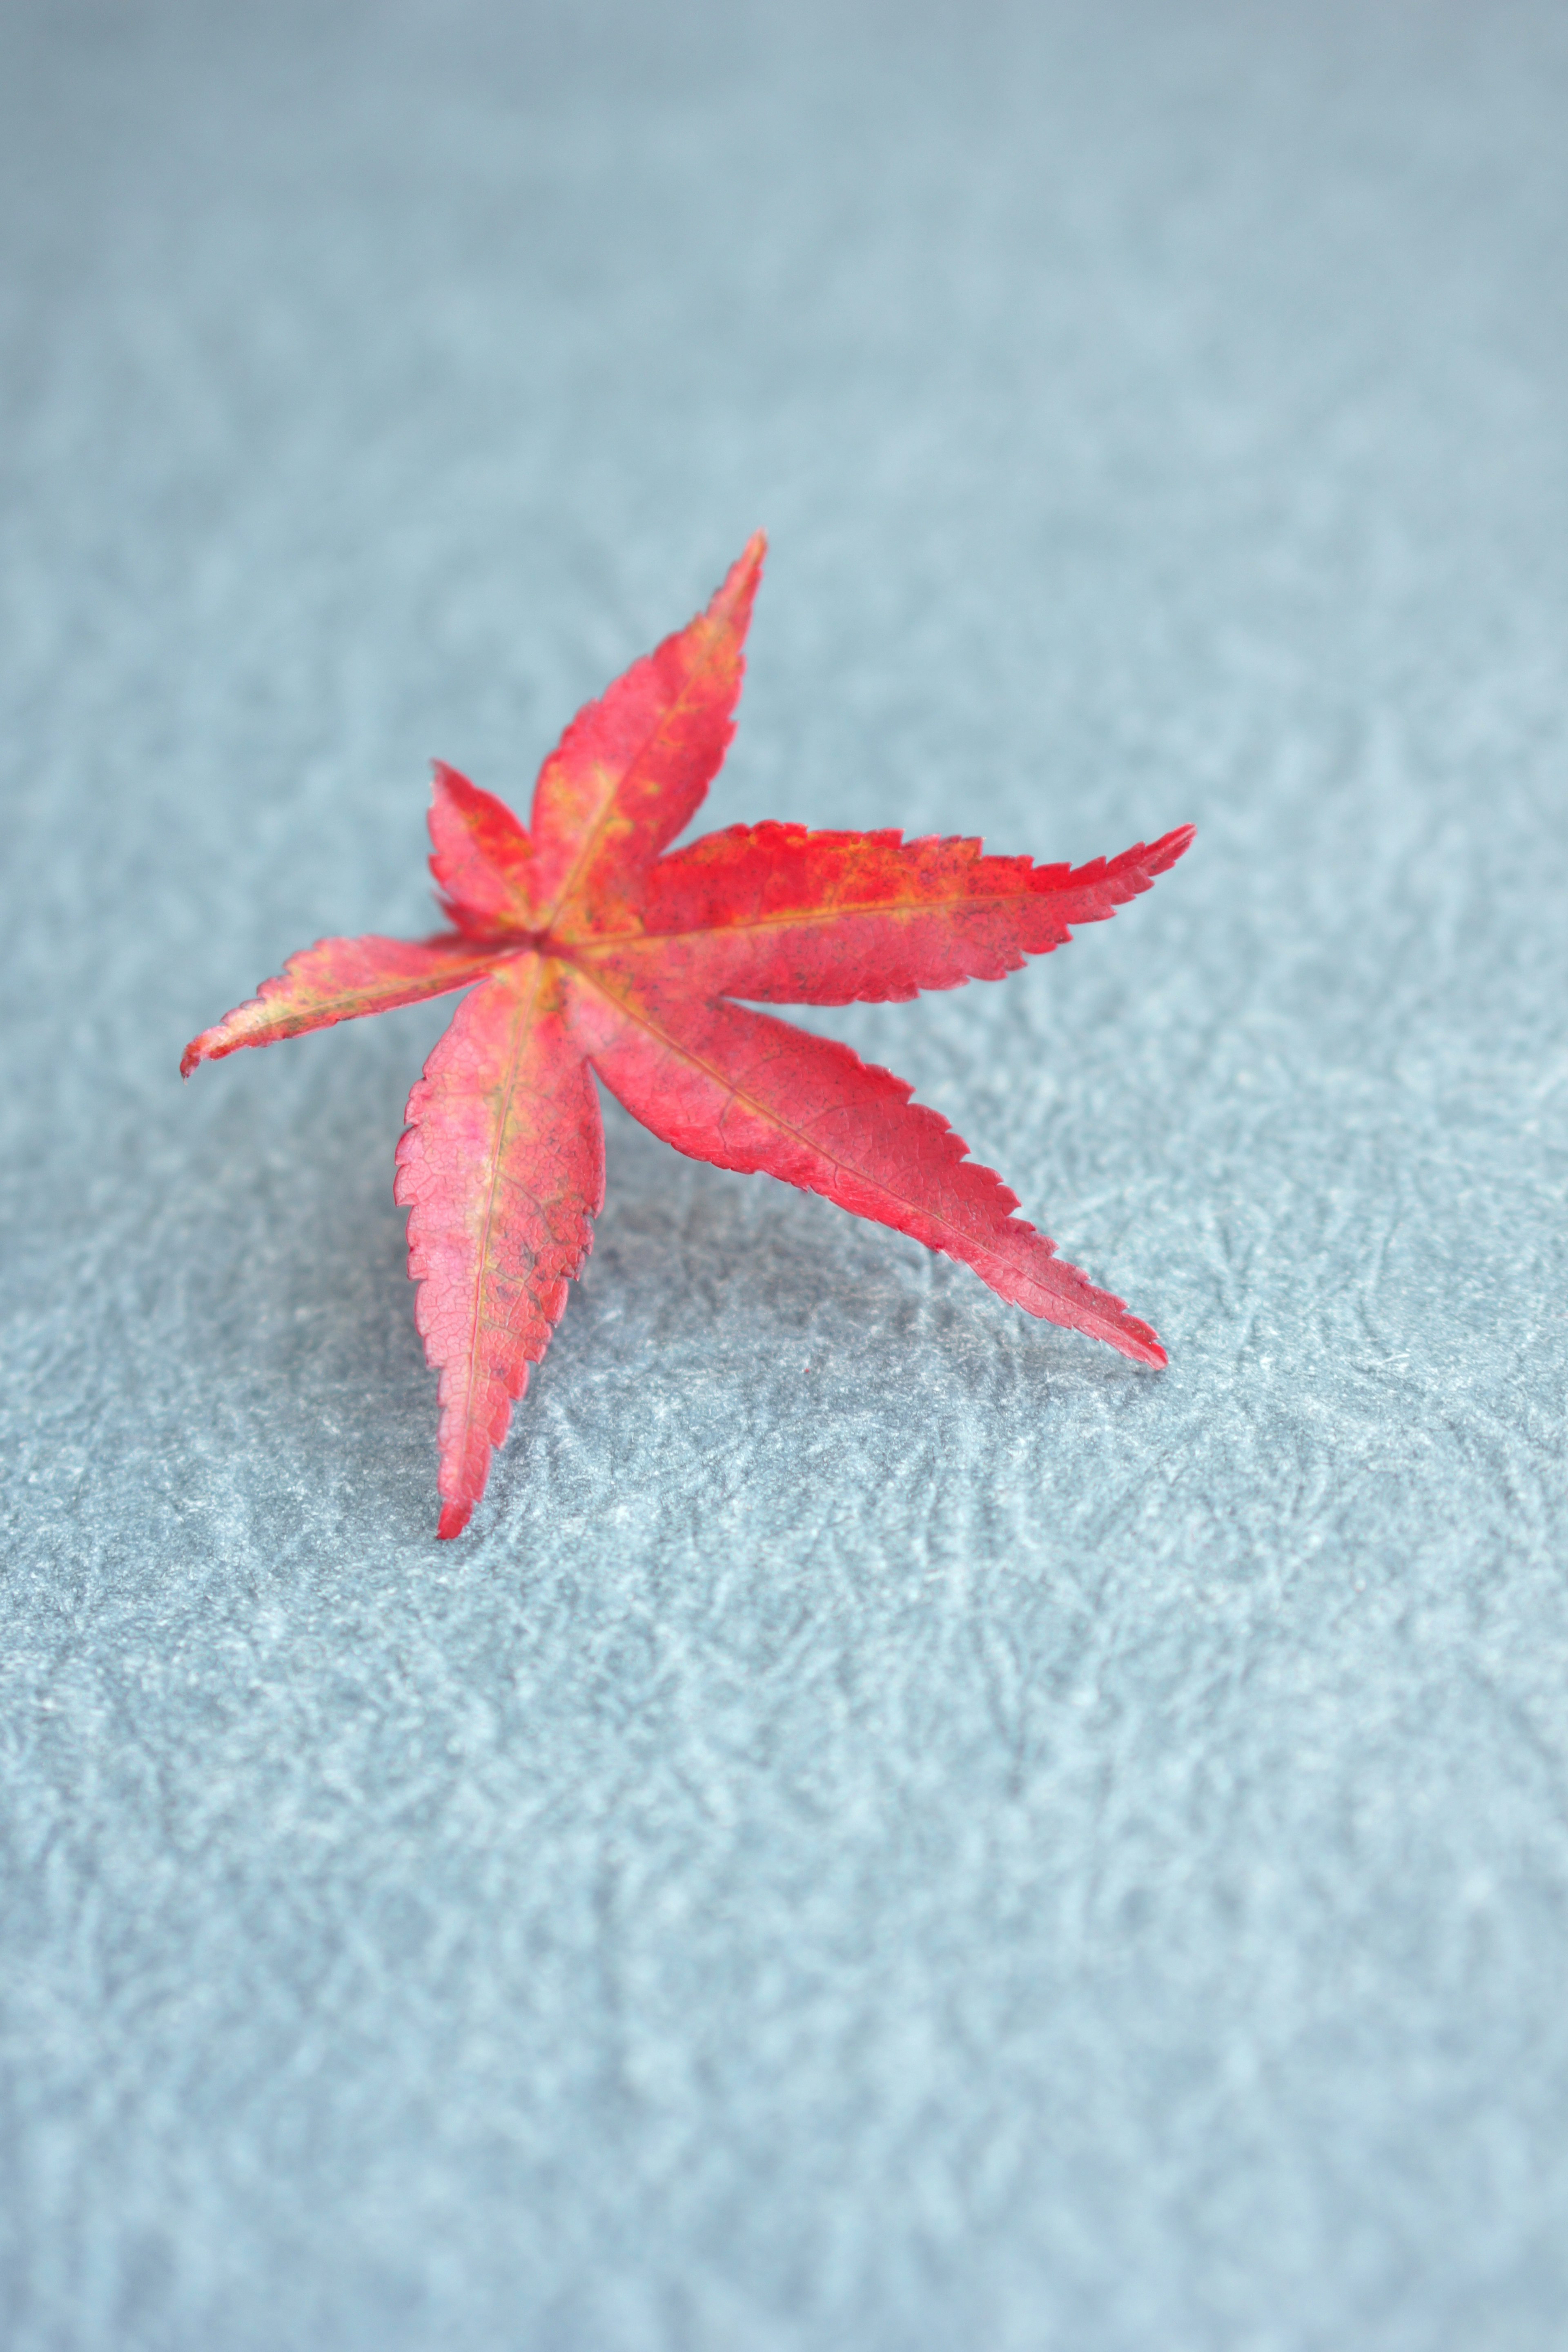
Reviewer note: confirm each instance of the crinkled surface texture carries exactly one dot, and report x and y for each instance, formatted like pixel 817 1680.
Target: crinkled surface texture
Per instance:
pixel 899 1831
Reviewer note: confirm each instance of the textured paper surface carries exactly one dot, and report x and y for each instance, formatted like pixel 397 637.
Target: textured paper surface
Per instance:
pixel 899 1831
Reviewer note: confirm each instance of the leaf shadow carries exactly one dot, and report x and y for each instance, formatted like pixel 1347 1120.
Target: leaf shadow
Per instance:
pixel 754 1314
pixel 735 1309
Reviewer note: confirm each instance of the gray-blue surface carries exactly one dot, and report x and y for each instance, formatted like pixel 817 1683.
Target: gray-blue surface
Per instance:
pixel 898 1831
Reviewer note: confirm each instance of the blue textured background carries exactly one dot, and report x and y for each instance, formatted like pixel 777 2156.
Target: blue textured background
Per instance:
pixel 898 1831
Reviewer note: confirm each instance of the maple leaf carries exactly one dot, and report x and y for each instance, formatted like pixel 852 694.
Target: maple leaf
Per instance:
pixel 585 947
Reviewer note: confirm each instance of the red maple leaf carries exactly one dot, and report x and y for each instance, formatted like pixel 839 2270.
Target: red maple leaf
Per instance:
pixel 586 949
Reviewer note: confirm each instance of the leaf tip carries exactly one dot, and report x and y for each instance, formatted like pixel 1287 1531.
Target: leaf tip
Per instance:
pixel 733 598
pixel 1141 1342
pixel 1171 845
pixel 454 1518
